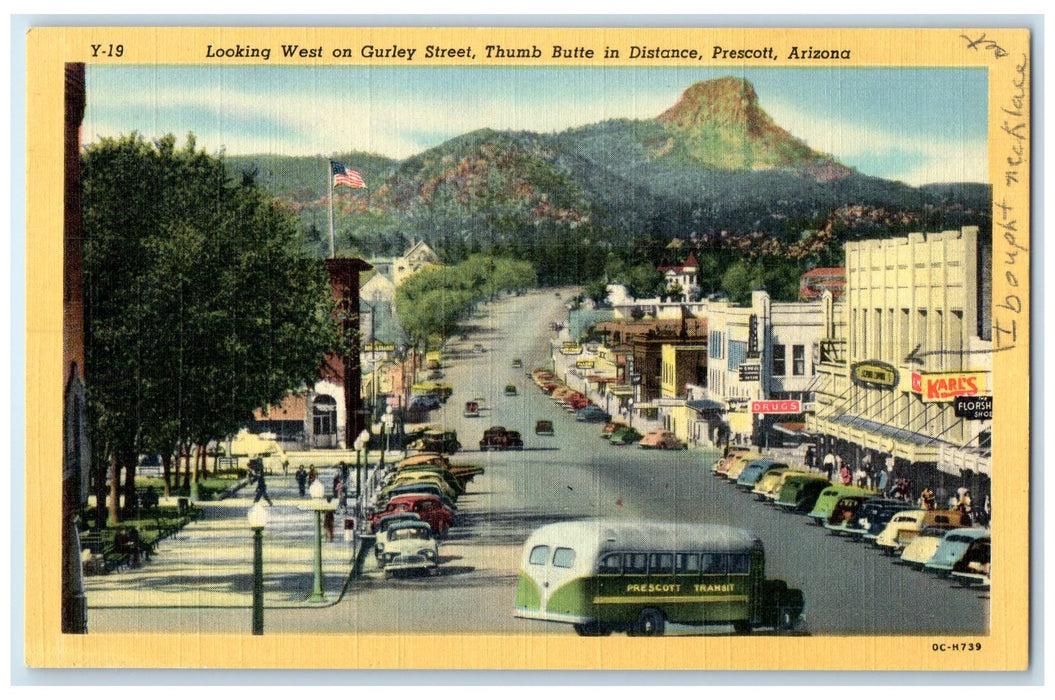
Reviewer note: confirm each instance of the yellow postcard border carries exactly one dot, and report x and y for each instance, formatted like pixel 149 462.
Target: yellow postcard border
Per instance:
pixel 1004 52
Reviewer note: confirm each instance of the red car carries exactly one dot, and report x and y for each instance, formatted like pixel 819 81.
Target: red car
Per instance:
pixel 428 508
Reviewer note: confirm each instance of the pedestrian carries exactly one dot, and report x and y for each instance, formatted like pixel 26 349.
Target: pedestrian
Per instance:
pixel 285 467
pixel 302 479
pixel 327 525
pixel 926 499
pixel 312 474
pixel 338 490
pixel 844 474
pixel 829 465
pixel 261 489
pixel 810 455
pixel 881 481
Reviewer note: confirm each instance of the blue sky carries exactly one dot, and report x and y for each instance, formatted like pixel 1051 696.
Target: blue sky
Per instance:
pixel 914 125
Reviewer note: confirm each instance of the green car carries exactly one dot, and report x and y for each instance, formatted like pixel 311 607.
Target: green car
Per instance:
pixel 625 436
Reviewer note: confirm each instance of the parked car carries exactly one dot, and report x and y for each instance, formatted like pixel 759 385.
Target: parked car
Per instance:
pixel 953 547
pixel 418 488
pixel 829 498
pixel 407 546
pixel 845 511
pixel 543 427
pixel 754 470
pixel 973 567
pixel 593 414
pixel 735 455
pixel 440 389
pixel 873 515
pixel 472 409
pixel 626 436
pixel 387 521
pixel 610 427
pixel 442 441
pixel 517 363
pixel 904 526
pixel 428 402
pixel 498 438
pixel 429 508
pixel 511 389
pixel 661 440
pixel 434 375
pixel 799 491
pixel 923 546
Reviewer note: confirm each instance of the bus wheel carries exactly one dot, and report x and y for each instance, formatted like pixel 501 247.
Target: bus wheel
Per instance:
pixel 650 624
pixel 742 627
pixel 592 629
pixel 787 620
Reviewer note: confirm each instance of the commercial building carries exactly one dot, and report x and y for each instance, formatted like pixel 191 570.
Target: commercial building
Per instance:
pixel 910 335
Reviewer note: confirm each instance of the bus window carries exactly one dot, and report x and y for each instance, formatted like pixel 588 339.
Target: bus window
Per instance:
pixel 687 563
pixel 739 563
pixel 713 563
pixel 662 563
pixel 563 557
pixel 539 555
pixel 611 564
pixel 635 563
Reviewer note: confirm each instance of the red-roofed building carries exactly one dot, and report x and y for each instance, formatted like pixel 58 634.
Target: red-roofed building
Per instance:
pixel 683 277
pixel 815 282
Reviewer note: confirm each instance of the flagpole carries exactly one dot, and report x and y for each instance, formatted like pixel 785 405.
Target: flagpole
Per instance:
pixel 329 176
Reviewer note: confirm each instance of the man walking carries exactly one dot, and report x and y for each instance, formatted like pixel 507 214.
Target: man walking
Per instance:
pixel 302 479
pixel 261 487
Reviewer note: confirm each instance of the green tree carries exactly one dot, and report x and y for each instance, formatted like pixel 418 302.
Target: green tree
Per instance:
pixel 200 307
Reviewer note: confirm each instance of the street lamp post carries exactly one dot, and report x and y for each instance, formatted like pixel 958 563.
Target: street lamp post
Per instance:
pixel 257 516
pixel 360 444
pixel 318 504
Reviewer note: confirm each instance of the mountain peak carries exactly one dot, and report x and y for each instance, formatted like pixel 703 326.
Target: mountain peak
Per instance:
pixel 723 101
pixel 721 124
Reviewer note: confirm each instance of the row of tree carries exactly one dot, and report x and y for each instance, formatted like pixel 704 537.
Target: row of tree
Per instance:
pixel 432 302
pixel 200 306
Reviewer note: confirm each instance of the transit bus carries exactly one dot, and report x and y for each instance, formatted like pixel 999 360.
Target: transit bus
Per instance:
pixel 635 577
pixel 433 359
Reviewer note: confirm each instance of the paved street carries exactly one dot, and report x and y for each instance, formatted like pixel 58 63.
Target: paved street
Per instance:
pixel 201 575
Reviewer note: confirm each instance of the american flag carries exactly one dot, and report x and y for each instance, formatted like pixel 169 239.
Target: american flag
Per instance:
pixel 343 176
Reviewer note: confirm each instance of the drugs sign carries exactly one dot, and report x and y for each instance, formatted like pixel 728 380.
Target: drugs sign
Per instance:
pixel 776 407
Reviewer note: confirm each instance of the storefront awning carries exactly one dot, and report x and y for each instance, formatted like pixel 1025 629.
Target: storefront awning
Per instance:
pixel 888 431
pixel 706 406
pixel 793 429
pixel 620 390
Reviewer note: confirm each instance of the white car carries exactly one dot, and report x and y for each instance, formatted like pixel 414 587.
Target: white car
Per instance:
pixel 407 546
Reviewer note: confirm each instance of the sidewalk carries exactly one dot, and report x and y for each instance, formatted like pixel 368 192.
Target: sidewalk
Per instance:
pixel 209 563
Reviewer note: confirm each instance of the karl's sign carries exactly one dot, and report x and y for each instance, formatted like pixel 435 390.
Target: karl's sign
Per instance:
pixel 584 364
pixel 874 374
pixel 946 386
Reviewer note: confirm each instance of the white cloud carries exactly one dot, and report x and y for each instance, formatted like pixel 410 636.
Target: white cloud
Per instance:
pixel 945 159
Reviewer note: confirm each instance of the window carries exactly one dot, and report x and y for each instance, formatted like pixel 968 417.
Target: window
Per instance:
pixel 712 563
pixel 539 555
pixel 737 353
pixel 635 563
pixel 687 563
pixel 779 360
pixel 798 360
pixel 739 563
pixel 611 564
pixel 661 563
pixel 563 557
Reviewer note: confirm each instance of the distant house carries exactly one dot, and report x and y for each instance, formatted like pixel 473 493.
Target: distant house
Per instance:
pixel 815 282
pixel 419 255
pixel 377 317
pixel 683 277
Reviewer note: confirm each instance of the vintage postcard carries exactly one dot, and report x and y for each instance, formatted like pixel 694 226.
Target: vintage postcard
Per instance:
pixel 507 348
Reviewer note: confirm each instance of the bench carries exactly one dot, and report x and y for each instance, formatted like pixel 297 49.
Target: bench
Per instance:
pixel 103 557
